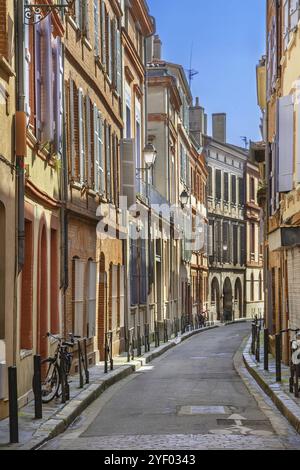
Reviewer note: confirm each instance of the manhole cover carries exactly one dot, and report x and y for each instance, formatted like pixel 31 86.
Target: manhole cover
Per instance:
pixel 202 410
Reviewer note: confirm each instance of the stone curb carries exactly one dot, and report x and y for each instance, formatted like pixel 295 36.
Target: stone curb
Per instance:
pixel 284 403
pixel 58 423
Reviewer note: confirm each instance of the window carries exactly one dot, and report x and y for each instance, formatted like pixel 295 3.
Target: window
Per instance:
pixel 91 298
pixel 260 287
pixel 182 163
pixel 252 288
pixel 81 135
pixel 108 160
pixel 26 341
pixel 99 180
pixel 210 189
pixel 218 184
pixel 233 189
pixel 54 288
pixel 290 19
pixel 252 189
pixel 226 187
pixel 252 241
pixel 78 297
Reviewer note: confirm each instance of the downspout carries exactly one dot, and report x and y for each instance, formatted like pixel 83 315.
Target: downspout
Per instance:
pixel 64 198
pixel 19 159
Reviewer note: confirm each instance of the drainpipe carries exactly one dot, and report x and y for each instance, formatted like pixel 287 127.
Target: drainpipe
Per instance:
pixel 20 125
pixel 63 214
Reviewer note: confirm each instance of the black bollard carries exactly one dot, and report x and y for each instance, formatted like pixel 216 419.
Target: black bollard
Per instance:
pixel 13 405
pixel 266 349
pixel 37 387
pixel 278 357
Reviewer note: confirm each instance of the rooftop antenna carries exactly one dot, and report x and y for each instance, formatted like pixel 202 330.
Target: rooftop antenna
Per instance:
pixel 246 141
pixel 191 72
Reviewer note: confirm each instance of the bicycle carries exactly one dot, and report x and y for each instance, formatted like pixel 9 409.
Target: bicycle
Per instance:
pixel 53 378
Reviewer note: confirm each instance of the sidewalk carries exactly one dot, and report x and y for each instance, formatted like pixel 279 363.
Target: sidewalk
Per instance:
pixel 285 401
pixel 57 417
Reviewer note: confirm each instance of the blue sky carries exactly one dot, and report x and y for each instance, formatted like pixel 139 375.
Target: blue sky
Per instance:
pixel 228 39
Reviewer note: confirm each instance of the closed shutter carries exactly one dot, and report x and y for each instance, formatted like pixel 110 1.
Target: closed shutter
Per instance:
pixel 78 297
pixel 286 143
pixel 108 160
pixel 58 96
pixel 71 128
pixel 134 278
pixel 81 136
pixel 210 186
pixel 27 72
pixel 47 82
pixel 243 244
pixel 115 169
pixel 96 149
pixel 119 62
pixel 103 34
pixel 286 27
pixel 182 163
pixel 91 299
pixel 78 13
pixel 96 28
pixel 128 170
pixel 38 79
pixel 225 242
pixel 85 18
pixel 88 106
pixel 109 58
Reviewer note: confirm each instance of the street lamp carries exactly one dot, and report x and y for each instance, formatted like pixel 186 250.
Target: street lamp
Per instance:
pixel 34 13
pixel 184 198
pixel 150 155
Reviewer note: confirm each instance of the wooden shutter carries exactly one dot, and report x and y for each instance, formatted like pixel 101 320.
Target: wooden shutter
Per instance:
pixel 241 192
pixel 119 62
pixel 109 58
pixel 107 128
pixel 88 105
pixel 294 14
pixel 103 34
pixel 71 127
pixel 96 28
pixel 47 81
pixel 38 80
pixel 286 143
pixel 143 271
pixel 85 18
pixel 78 297
pixel 81 136
pixel 96 149
pixel 91 298
pixel 128 170
pixel 27 71
pixel 58 96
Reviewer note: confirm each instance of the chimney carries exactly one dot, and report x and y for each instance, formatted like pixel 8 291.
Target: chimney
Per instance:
pixel 197 102
pixel 157 46
pixel 219 127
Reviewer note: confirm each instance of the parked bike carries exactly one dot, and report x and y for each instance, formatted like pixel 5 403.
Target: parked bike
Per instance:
pixel 52 379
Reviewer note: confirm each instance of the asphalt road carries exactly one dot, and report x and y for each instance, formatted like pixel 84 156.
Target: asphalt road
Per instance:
pixel 190 398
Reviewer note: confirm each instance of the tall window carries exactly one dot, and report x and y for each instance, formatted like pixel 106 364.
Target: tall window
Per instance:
pixel 252 288
pixel 252 189
pixel 210 188
pixel 2 270
pixel 260 287
pixel 218 184
pixel 233 189
pixel 26 341
pixel 78 296
pixel 91 298
pixel 226 187
pixel 54 311
pixel 252 240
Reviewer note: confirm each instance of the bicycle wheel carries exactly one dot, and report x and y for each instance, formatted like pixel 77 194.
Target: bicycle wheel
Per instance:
pixel 50 381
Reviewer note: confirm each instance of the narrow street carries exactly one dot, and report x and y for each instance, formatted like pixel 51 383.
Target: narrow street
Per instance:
pixel 191 398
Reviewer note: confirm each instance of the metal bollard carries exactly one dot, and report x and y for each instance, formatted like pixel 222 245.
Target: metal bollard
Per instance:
pixel 80 365
pixel 13 405
pixel 278 357
pixel 266 349
pixel 139 342
pixel 86 366
pixel 296 386
pixel 37 387
pixel 257 352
